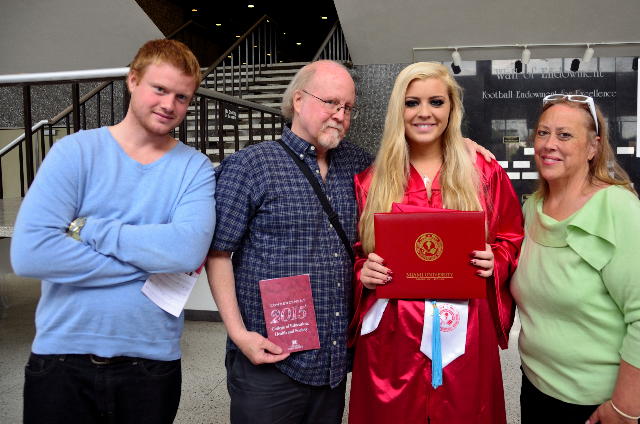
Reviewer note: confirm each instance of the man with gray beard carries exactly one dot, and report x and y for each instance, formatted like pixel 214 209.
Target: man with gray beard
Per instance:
pixel 272 221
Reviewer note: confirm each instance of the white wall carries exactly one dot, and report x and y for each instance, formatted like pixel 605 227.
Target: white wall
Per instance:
pixel 201 299
pixel 60 35
pixel 383 31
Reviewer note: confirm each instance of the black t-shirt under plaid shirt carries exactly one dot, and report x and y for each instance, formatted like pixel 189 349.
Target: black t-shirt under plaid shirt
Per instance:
pixel 270 217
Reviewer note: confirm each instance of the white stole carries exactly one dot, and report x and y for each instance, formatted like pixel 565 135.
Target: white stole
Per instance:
pixel 453 326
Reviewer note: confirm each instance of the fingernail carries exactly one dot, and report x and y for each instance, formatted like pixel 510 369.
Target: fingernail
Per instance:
pixel 389 272
pixel 478 272
pixel 472 261
pixel 388 278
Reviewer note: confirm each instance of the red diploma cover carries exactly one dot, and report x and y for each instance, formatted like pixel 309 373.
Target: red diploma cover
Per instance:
pixel 289 314
pixel 429 254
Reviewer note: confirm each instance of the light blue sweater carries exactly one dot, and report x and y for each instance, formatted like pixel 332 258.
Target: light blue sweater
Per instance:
pixel 141 219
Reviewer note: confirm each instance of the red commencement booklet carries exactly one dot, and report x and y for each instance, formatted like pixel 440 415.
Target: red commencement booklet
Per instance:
pixel 289 314
pixel 429 253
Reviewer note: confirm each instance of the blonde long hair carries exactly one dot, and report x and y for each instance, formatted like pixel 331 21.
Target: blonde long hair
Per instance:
pixel 459 179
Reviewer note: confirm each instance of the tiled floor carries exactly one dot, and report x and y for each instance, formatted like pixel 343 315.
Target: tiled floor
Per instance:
pixel 204 394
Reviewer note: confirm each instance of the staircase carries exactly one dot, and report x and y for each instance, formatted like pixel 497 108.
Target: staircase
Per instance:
pixel 267 89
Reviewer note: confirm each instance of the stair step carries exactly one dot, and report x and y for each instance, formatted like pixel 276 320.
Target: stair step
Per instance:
pixel 252 88
pixel 269 66
pixel 241 127
pixel 242 139
pixel 270 73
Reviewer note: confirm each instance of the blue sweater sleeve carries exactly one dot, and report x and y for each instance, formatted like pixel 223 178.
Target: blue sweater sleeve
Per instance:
pixel 40 247
pixel 177 246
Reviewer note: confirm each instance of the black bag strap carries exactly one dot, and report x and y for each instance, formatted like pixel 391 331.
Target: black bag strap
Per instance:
pixel 333 216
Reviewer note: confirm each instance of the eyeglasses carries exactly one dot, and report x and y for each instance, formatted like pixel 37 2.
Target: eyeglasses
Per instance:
pixel 577 98
pixel 334 106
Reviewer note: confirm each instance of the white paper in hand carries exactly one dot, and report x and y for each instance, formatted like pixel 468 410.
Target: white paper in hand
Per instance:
pixel 171 291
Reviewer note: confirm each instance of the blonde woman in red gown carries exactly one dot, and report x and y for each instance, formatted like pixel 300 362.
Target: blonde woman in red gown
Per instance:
pixel 423 162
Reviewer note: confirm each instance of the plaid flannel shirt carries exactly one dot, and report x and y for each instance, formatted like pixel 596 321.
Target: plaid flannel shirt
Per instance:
pixel 270 218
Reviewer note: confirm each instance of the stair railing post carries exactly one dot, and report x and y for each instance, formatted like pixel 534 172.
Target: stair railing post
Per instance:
pixel 75 102
pixel 220 130
pixel 250 112
pixel 253 57
pixel 204 127
pixel 113 104
pixel 26 102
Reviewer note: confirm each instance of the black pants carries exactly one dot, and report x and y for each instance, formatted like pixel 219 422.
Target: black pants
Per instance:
pixel 539 408
pixel 261 394
pixel 85 389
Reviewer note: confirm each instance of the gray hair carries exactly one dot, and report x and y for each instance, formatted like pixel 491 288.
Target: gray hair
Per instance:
pixel 300 80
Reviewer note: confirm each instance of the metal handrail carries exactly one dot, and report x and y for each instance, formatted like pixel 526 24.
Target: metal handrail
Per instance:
pixel 33 153
pixel 85 98
pixel 212 94
pixel 235 45
pixel 6 149
pixel 334 46
pixel 245 59
pixel 62 76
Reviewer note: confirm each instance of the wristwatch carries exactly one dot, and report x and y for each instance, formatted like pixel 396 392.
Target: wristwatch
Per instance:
pixel 75 227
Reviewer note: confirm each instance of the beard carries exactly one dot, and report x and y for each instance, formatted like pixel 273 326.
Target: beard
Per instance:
pixel 331 135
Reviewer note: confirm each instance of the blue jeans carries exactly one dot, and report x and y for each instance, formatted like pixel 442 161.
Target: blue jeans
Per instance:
pixel 88 389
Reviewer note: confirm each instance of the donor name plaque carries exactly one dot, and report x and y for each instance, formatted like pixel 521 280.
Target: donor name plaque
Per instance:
pixel 429 253
pixel 289 314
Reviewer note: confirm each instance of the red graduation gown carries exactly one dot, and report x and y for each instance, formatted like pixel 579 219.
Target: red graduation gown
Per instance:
pixel 391 381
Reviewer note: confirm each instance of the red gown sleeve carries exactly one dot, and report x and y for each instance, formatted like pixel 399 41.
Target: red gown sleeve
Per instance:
pixel 505 235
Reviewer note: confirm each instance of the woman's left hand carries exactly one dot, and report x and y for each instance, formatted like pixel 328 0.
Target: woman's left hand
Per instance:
pixel 605 414
pixel 483 259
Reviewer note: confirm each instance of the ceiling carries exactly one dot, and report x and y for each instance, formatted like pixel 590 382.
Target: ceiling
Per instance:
pixel 298 22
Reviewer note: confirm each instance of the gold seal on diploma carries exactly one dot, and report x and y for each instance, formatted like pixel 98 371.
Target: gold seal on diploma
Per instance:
pixel 429 247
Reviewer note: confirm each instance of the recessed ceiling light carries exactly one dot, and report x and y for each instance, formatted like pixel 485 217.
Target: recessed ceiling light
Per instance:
pixel 218 24
pixel 194 10
pixel 298 44
pixel 255 46
pixel 250 6
pixel 284 33
pixel 268 54
pixel 324 18
pixel 237 36
pixel 230 57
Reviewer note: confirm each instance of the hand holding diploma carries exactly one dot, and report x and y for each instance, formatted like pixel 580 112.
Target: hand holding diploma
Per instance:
pixel 484 261
pixel 374 273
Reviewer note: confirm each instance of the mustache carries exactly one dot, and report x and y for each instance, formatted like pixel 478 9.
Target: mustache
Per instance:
pixel 336 126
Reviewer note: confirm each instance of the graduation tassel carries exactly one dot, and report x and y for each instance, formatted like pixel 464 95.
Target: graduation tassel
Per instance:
pixel 436 349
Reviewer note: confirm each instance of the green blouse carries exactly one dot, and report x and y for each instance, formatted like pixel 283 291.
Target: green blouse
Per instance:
pixel 577 287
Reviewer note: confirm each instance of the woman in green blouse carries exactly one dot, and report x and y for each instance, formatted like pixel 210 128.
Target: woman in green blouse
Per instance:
pixel 578 280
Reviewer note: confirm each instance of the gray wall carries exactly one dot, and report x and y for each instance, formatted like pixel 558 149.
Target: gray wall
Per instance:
pixel 383 31
pixel 61 35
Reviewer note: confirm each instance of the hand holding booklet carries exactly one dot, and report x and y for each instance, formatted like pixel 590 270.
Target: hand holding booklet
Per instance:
pixel 428 251
pixel 289 313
